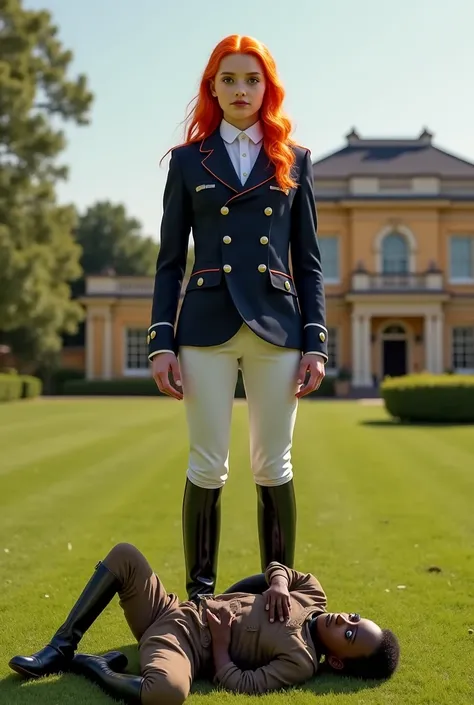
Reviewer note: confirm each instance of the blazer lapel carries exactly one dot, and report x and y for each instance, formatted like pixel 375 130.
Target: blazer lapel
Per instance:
pixel 218 163
pixel 216 160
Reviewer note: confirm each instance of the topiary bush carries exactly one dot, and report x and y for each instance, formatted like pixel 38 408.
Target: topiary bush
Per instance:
pixel 11 387
pixel 14 387
pixel 430 398
pixel 32 387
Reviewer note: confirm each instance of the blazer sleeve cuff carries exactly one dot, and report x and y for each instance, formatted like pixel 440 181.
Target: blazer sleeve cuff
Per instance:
pixel 276 570
pixel 160 338
pixel 315 340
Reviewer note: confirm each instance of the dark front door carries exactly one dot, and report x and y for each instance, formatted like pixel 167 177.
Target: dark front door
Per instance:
pixel 394 357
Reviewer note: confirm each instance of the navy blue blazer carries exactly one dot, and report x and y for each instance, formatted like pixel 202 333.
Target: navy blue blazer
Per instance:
pixel 243 238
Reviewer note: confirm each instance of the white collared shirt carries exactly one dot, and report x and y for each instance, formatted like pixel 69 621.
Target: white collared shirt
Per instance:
pixel 242 146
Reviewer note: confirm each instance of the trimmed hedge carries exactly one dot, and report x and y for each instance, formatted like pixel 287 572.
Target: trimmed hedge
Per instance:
pixel 430 398
pixel 14 387
pixel 145 387
pixel 58 378
pixel 133 386
pixel 32 387
pixel 11 387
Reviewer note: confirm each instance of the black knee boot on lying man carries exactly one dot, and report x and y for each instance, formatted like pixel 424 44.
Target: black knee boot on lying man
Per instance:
pixel 97 669
pixel 57 655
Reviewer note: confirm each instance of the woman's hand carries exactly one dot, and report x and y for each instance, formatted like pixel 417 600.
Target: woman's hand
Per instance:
pixel 165 368
pixel 314 365
pixel 278 599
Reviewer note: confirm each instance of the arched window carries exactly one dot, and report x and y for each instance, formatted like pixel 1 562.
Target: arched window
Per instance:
pixel 394 329
pixel 395 254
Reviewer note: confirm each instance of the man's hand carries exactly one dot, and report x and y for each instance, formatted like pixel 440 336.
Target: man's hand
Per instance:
pixel 314 364
pixel 278 598
pixel 219 619
pixel 164 366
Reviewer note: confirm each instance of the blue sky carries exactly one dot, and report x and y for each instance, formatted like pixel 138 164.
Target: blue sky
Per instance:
pixel 387 68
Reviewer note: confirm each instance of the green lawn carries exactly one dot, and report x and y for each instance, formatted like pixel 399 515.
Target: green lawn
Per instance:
pixel 379 504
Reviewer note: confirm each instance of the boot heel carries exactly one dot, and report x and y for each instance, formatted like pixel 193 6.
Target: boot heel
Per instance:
pixel 118 685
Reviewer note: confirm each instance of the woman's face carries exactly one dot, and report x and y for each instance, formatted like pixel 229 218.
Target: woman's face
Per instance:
pixel 239 86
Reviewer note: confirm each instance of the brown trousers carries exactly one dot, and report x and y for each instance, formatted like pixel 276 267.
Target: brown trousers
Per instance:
pixel 169 632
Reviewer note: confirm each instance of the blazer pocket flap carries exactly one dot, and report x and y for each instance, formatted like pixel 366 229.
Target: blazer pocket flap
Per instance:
pixel 204 279
pixel 282 281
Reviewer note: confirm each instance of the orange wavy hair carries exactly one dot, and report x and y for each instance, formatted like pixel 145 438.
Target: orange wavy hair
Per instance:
pixel 206 115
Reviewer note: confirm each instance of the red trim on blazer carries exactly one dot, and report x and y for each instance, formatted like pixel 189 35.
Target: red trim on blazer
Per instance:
pixel 210 151
pixel 241 193
pixel 237 193
pixel 203 271
pixel 275 271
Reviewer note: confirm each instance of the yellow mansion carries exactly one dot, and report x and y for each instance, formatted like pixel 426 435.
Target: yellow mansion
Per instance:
pixel 396 228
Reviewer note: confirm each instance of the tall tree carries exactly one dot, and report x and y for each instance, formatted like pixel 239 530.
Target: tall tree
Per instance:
pixel 38 255
pixel 111 240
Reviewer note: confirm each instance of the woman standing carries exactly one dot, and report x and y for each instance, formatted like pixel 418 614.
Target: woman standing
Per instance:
pixel 246 191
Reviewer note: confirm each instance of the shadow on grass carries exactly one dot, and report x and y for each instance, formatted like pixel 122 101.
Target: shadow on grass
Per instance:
pixel 395 423
pixel 66 689
pixel 69 689
pixel 336 685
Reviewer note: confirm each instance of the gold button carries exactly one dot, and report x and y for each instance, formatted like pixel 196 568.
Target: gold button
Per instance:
pixel 153 334
pixel 322 337
pixel 268 211
pixel 148 339
pixel 224 210
pixel 227 268
pixel 227 239
pixel 262 268
pixel 264 240
pixel 244 155
pixel 287 286
pixel 245 173
pixel 200 281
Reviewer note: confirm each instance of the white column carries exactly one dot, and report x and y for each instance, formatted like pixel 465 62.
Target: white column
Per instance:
pixel 366 352
pixel 355 334
pixel 107 350
pixel 357 352
pixel 89 346
pixel 429 343
pixel 438 365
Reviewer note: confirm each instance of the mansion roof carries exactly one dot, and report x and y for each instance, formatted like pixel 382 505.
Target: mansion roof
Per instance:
pixel 399 158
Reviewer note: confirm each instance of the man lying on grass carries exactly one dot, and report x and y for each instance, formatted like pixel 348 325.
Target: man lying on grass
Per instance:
pixel 254 638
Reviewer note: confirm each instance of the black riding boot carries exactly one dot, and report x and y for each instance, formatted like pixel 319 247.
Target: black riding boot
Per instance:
pixel 201 516
pixel 120 686
pixel 254 585
pixel 58 654
pixel 276 512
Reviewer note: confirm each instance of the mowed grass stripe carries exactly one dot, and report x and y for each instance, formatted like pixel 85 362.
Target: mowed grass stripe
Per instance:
pixel 363 528
pixel 99 441
pixel 81 484
pixel 71 431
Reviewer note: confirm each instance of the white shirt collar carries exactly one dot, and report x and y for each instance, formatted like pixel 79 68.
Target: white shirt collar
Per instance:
pixel 229 132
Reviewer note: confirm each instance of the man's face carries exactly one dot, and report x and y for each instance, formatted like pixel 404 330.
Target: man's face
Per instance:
pixel 348 635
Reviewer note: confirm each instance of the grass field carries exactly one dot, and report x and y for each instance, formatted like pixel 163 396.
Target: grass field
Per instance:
pixel 379 505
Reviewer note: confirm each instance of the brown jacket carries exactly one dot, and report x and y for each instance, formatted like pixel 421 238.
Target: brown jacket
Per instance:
pixel 269 656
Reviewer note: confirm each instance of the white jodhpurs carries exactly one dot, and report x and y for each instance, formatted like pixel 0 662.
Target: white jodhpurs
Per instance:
pixel 209 376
